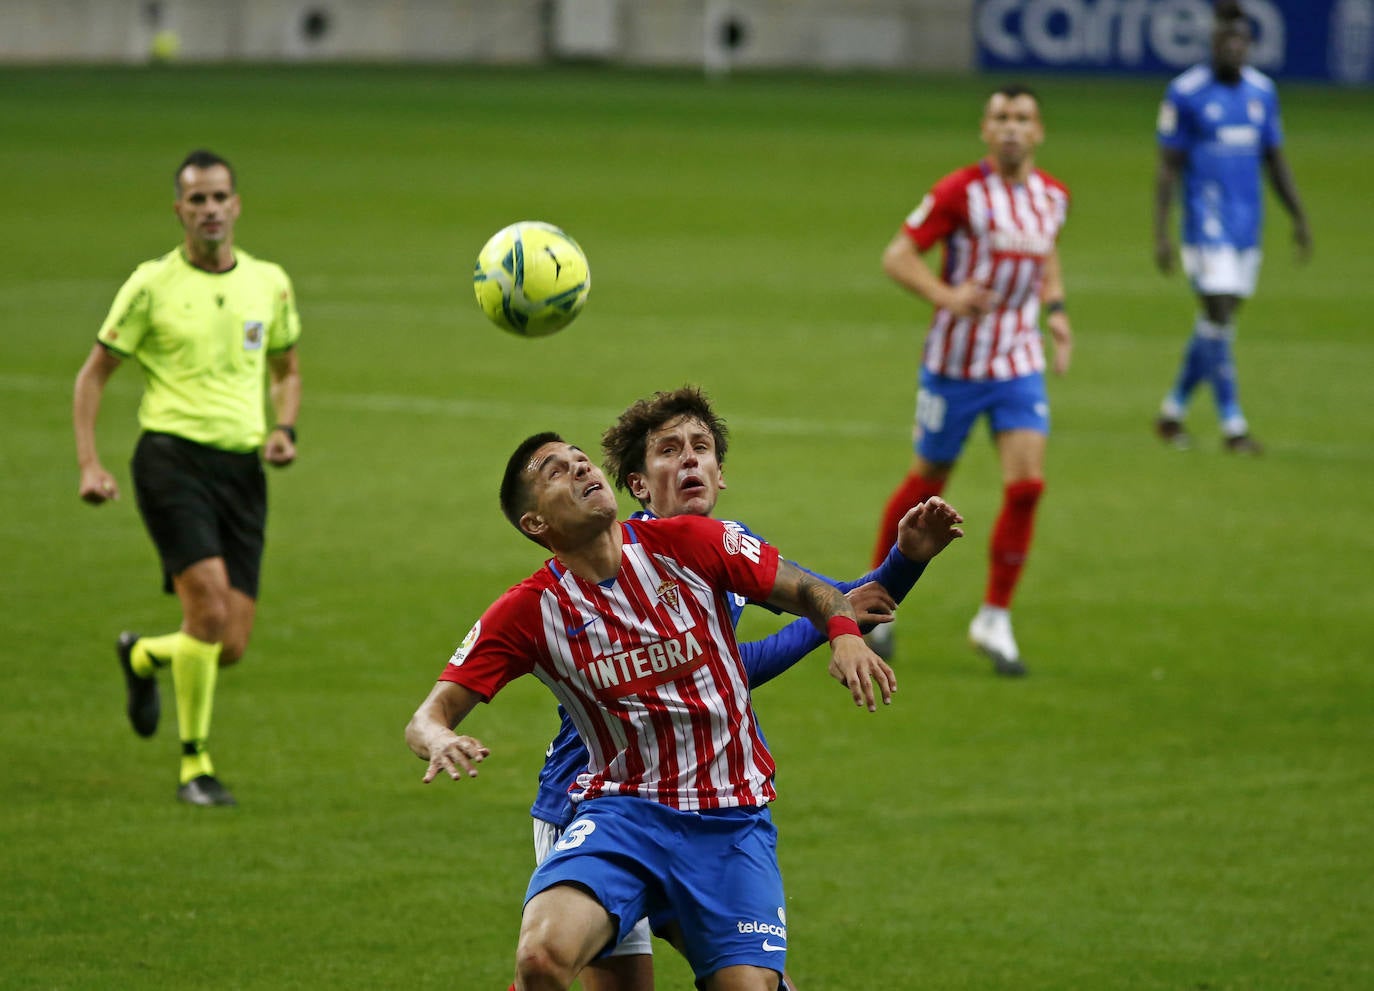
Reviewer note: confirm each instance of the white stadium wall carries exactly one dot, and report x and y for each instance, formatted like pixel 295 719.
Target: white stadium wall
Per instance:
pixel 931 35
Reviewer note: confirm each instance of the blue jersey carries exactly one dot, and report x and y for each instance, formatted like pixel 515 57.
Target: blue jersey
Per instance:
pixel 1223 130
pixel 764 660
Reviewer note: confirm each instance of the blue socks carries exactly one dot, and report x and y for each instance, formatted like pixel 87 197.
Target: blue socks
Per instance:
pixel 1208 358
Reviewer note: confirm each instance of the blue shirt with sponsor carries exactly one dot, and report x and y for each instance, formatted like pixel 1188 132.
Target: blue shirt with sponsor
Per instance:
pixel 764 660
pixel 1224 130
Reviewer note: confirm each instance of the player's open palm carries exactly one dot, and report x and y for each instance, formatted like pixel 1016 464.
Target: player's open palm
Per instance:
pixel 457 757
pixel 928 528
pixel 856 667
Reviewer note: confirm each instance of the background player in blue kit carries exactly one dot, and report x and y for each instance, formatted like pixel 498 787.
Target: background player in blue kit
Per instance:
pixel 1218 124
pixel 668 451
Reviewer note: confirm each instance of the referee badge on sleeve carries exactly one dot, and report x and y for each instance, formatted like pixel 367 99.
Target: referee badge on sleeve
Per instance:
pixel 252 335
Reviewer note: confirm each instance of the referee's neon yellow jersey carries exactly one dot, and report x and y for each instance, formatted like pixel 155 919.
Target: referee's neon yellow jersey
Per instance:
pixel 202 339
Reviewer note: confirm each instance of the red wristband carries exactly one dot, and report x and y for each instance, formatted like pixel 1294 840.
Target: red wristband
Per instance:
pixel 838 626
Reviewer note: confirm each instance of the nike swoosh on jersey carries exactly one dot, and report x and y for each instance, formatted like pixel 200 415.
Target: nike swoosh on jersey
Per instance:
pixel 573 631
pixel 770 948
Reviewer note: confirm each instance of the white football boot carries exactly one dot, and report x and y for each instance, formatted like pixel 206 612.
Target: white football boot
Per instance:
pixel 990 632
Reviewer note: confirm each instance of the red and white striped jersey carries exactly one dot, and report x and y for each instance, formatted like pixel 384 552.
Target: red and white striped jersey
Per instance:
pixel 998 235
pixel 645 664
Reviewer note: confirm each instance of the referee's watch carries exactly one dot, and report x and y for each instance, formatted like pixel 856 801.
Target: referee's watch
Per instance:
pixel 287 429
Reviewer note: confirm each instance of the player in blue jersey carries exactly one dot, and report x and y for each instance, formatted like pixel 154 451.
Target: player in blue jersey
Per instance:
pixel 1218 125
pixel 668 451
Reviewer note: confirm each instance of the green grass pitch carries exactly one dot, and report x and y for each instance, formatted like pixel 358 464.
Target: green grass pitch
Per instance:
pixel 1180 797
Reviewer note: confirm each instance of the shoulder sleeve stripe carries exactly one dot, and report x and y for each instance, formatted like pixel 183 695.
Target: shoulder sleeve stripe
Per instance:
pixel 1193 80
pixel 114 350
pixel 1257 79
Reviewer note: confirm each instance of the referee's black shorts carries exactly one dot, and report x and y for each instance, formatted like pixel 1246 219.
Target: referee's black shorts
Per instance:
pixel 200 502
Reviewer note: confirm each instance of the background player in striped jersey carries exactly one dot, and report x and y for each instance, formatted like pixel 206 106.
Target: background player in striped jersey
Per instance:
pixel 212 327
pixel 668 451
pixel 998 220
pixel 629 625
pixel 1218 124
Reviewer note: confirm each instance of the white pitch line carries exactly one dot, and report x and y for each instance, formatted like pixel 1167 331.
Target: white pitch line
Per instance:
pixel 504 411
pixel 494 410
pixel 895 432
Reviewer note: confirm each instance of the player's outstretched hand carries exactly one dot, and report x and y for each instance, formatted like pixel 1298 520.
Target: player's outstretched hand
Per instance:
pixel 928 528
pixel 456 757
pixel 872 603
pixel 856 667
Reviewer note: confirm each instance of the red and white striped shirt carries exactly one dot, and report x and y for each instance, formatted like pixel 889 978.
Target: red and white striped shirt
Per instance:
pixel 998 235
pixel 645 664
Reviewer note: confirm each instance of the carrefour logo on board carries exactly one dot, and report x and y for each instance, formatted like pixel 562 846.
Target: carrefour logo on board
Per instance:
pixel 1124 33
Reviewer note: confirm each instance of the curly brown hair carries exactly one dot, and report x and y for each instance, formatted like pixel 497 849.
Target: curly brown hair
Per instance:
pixel 625 443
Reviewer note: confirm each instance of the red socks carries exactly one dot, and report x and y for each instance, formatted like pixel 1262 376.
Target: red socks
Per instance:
pixel 914 489
pixel 1011 534
pixel 1011 539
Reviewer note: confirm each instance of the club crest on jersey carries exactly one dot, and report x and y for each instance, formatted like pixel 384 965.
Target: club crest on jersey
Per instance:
pixel 1255 109
pixel 461 654
pixel 667 594
pixel 252 335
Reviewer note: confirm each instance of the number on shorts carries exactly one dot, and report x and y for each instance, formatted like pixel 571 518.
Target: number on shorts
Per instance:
pixel 575 835
pixel 930 411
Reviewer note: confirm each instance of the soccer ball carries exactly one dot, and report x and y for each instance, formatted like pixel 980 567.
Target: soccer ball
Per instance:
pixel 531 279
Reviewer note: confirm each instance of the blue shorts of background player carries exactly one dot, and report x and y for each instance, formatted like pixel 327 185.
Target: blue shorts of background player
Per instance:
pixel 715 872
pixel 946 409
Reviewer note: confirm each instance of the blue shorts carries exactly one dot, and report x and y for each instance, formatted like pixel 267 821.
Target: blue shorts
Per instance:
pixel 946 409
pixel 715 872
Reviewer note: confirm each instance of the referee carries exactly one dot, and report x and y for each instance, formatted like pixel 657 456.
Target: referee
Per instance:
pixel 210 325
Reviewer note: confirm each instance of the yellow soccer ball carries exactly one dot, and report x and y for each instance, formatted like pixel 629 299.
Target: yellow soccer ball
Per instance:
pixel 531 279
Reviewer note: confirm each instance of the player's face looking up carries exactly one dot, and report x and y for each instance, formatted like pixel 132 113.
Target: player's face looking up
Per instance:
pixel 1012 130
pixel 206 204
pixel 567 492
pixel 1230 47
pixel 682 474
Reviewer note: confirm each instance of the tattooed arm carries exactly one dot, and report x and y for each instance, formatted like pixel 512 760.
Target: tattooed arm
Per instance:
pixel 852 664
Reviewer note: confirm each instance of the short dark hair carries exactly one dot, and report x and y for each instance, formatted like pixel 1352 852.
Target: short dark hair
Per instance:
pixel 1227 10
pixel 1012 90
pixel 515 488
pixel 624 446
pixel 1227 16
pixel 203 158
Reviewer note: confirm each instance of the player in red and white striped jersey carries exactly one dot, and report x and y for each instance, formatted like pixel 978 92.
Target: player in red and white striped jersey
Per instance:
pixel 645 667
pixel 998 221
pixel 629 624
